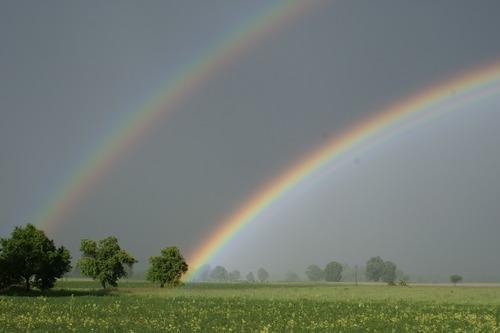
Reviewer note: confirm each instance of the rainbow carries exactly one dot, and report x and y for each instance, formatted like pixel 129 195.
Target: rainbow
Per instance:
pixel 439 98
pixel 137 123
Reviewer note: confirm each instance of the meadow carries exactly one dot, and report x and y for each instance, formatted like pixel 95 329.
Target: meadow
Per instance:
pixel 136 306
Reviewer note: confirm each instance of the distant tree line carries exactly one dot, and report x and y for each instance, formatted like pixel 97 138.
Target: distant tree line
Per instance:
pixel 221 274
pixel 31 259
pixel 376 270
pixel 331 273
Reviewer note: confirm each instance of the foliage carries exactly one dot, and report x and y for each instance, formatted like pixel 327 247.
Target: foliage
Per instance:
pixel 291 277
pixel 6 277
pixel 167 268
pixel 314 273
pixel 389 275
pixel 29 256
pixel 104 261
pixel 455 278
pixel 262 275
pixel 234 275
pixel 375 268
pixel 250 277
pixel 333 272
pixel 219 273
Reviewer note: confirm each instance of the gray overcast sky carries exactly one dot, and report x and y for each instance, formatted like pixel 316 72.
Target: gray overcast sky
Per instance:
pixel 70 71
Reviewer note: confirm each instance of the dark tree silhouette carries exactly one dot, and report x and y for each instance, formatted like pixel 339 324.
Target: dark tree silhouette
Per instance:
pixel 455 278
pixel 333 272
pixel 30 257
pixel 374 269
pixel 314 273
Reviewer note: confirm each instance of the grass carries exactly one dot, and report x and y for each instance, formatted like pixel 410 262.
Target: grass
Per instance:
pixel 80 306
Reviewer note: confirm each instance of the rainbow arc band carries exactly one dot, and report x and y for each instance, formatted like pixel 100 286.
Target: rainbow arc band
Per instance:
pixel 137 124
pixel 440 98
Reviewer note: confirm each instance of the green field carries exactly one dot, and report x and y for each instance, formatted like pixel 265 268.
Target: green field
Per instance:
pixel 79 306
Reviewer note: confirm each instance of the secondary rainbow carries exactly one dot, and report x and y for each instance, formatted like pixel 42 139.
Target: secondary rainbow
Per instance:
pixel 432 100
pixel 137 123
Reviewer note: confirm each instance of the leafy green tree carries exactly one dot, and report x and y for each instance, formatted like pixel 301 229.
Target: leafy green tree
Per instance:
pixel 455 278
pixel 389 274
pixel 219 273
pixel 291 277
pixel 30 257
pixel 375 268
pixel 234 275
pixel 104 261
pixel 314 273
pixel 333 272
pixel 250 277
pixel 167 268
pixel 5 277
pixel 262 275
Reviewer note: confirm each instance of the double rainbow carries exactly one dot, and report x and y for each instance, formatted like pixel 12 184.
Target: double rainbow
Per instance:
pixel 441 97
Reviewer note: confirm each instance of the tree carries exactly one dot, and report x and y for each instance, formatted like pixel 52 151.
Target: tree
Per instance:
pixel 219 273
pixel 204 273
pixel 262 275
pixel 455 278
pixel 30 257
pixel 104 261
pixel 389 274
pixel 333 272
pixel 5 277
pixel 374 269
pixel 234 275
pixel 250 277
pixel 167 268
pixel 314 273
pixel 291 277
pixel 6 272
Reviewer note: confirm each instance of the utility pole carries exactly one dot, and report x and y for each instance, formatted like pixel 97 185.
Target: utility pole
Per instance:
pixel 356 275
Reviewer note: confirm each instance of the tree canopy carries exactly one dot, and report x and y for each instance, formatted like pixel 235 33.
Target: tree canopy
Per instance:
pixel 374 269
pixel 291 276
pixel 29 256
pixel 333 272
pixel 455 278
pixel 314 273
pixel 219 273
pixel 262 275
pixel 234 275
pixel 389 274
pixel 104 261
pixel 168 268
pixel 378 269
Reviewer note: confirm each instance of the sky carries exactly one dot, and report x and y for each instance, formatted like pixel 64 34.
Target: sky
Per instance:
pixel 425 199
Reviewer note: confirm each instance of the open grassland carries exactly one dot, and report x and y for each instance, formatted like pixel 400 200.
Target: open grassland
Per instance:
pixel 79 306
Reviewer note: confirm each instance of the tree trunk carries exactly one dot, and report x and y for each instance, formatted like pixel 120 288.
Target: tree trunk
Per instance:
pixel 161 285
pixel 103 284
pixel 27 284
